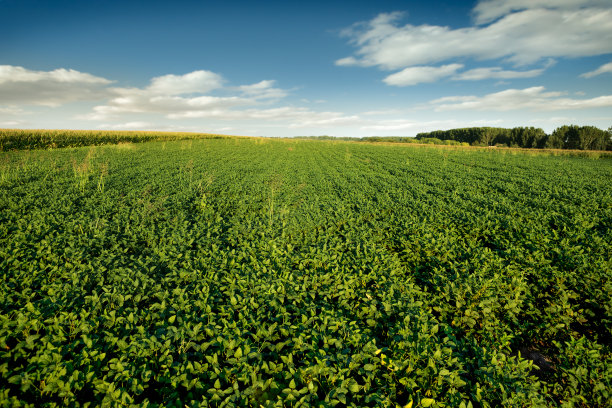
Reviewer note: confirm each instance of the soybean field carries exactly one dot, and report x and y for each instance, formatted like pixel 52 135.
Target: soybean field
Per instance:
pixel 297 273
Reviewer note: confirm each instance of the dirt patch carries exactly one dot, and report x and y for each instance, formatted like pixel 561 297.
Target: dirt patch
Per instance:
pixel 544 365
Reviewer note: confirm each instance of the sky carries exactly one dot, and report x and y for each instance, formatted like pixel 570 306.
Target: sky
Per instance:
pixel 295 68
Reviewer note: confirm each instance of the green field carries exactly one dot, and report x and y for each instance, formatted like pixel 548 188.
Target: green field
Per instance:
pixel 259 272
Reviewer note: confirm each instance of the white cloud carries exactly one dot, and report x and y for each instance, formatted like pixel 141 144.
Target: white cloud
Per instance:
pixel 193 82
pixel 183 96
pixel 172 106
pixel 534 98
pixel 11 123
pixel 10 73
pixel 326 119
pixel 19 85
pixel 519 32
pixel 489 10
pixel 347 61
pixel 222 129
pixel 395 124
pixel 297 117
pixel 559 120
pixel 383 112
pixel 478 74
pixel 606 68
pixel 136 125
pixel 416 126
pixel 263 90
pixel 426 74
pixel 416 75
pixel 11 110
pixel 305 100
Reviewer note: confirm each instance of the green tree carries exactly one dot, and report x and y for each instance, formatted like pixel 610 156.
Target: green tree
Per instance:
pixel 557 139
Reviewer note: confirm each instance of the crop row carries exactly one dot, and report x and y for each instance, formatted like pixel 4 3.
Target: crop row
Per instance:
pixel 302 273
pixel 24 139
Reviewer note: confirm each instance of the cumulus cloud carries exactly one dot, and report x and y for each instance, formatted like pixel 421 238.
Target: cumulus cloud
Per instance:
pixel 19 85
pixel 606 68
pixel 181 97
pixel 519 32
pixel 534 98
pixel 416 75
pixel 193 82
pixel 198 94
pixel 171 106
pixel 184 96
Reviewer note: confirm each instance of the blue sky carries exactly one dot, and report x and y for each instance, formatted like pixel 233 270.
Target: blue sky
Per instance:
pixel 284 68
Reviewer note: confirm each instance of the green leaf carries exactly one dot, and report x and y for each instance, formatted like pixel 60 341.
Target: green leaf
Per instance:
pixel 369 367
pixel 16 379
pixel 427 402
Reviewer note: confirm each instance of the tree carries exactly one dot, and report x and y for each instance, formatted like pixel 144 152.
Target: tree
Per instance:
pixel 557 139
pixel 579 138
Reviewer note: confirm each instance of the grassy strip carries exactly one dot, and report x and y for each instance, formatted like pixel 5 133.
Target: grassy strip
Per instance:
pixel 27 139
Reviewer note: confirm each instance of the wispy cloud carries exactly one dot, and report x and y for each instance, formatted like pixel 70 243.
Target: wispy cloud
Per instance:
pixel 382 112
pixel 489 10
pixel 136 125
pixel 534 98
pixel 403 125
pixel 297 117
pixel 181 97
pixel 185 96
pixel 478 74
pixel 194 82
pixel 11 110
pixel 11 123
pixel 263 90
pixel 427 74
pixel 518 32
pixel 417 75
pixel 19 85
pixel 606 68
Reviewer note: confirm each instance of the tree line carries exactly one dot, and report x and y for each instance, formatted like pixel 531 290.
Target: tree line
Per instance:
pixel 564 137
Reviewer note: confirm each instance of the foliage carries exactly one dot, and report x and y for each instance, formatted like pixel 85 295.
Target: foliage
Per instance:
pixel 526 137
pixel 22 139
pixel 564 137
pixel 258 272
pixel 581 137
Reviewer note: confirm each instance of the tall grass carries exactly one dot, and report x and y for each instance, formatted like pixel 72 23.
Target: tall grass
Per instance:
pixel 23 139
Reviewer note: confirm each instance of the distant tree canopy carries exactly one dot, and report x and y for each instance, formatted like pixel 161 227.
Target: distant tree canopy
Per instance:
pixel 564 137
